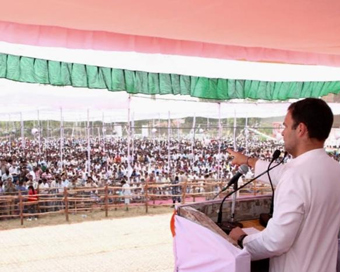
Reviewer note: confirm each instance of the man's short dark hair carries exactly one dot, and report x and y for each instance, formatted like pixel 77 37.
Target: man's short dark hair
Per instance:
pixel 315 114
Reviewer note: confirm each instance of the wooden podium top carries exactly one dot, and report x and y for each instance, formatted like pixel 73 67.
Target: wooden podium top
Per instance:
pixel 253 224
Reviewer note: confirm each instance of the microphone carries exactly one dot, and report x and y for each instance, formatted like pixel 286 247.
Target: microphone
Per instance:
pixel 275 156
pixel 219 217
pixel 260 175
pixel 264 217
pixel 242 170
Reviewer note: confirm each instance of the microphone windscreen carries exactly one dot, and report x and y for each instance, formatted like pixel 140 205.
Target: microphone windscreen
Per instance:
pixel 243 169
pixel 276 154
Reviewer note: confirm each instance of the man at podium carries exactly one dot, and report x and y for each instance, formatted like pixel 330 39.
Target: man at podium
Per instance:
pixel 302 235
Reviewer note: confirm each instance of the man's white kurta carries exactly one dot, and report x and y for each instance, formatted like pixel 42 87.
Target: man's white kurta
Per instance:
pixel 302 235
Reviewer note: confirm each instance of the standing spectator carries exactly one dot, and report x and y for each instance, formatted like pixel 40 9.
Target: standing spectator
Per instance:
pixel 126 192
pixel 33 200
pixel 175 191
pixel 10 190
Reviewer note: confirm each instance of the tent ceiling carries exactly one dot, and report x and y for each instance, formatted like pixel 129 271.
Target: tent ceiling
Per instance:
pixel 301 26
pixel 281 33
pixel 285 31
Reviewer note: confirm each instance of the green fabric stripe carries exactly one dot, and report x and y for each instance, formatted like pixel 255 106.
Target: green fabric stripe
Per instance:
pixel 31 70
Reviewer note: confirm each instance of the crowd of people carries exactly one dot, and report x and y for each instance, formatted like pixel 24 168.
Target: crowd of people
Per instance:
pixel 41 166
pixel 109 161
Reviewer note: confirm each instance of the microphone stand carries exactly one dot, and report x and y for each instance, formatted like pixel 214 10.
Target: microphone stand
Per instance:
pixel 245 170
pixel 264 217
pixel 219 215
pixel 228 226
pixel 224 189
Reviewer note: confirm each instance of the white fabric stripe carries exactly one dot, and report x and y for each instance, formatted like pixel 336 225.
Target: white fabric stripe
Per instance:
pixel 183 65
pixel 16 98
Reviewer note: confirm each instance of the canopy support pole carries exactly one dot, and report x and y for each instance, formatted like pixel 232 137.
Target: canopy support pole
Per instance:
pixel 193 138
pixel 235 131
pixel 153 131
pixel 23 143
pixel 129 136
pixel 246 134
pixel 178 120
pixel 159 127
pixel 61 137
pixel 169 131
pixel 9 132
pixel 133 137
pixel 219 141
pixel 39 134
pixel 103 130
pixel 88 144
pixel 47 134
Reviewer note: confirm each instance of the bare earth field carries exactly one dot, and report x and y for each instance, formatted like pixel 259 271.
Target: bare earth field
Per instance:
pixel 125 241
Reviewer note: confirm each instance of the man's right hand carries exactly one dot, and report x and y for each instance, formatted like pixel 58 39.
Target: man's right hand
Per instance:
pixel 238 158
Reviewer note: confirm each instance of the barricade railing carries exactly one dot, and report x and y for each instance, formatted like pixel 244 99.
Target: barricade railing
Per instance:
pixel 86 199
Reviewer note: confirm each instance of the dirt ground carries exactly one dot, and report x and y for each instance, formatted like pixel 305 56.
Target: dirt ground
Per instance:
pixel 48 220
pixel 124 241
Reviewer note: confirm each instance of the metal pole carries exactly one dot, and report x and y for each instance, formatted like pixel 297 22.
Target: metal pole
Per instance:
pixel 128 136
pixel 193 139
pixel 61 137
pixel 219 141
pixel 178 129
pixel 88 143
pixel 103 131
pixel 159 126
pixel 153 131
pixel 235 130
pixel 72 133
pixel 9 134
pixel 233 203
pixel 133 136
pixel 23 143
pixel 47 132
pixel 246 132
pixel 39 137
pixel 169 131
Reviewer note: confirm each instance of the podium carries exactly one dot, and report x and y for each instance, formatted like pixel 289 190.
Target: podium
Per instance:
pixel 200 245
pixel 199 249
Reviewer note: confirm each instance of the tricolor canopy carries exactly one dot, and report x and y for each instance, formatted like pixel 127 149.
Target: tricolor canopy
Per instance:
pixel 217 50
